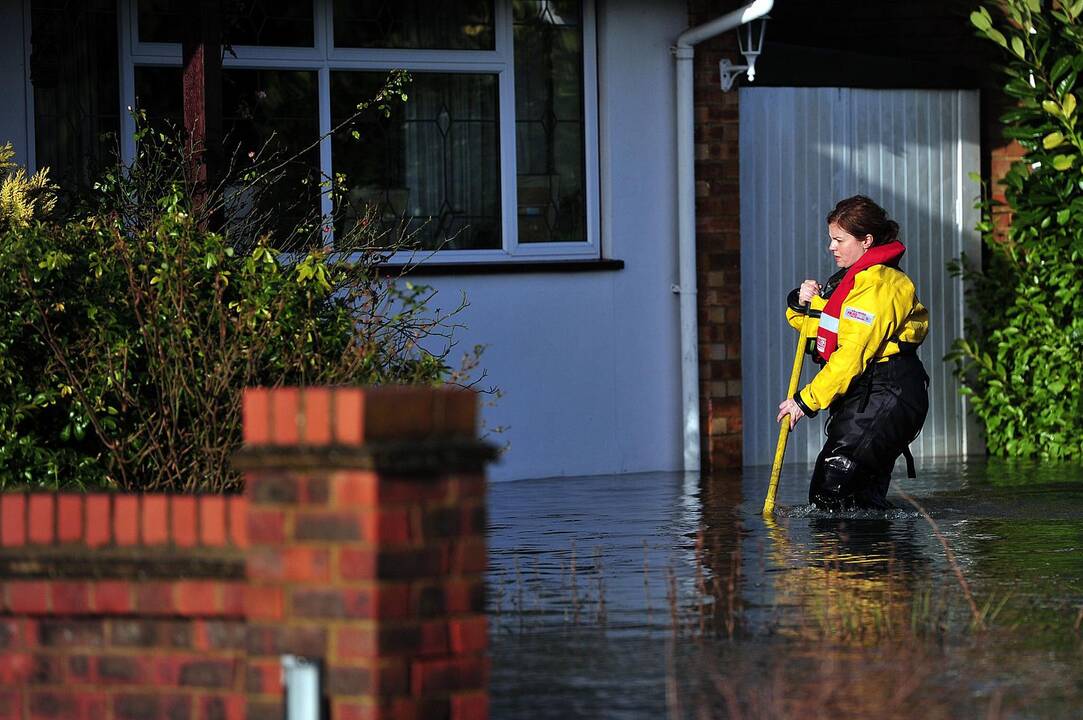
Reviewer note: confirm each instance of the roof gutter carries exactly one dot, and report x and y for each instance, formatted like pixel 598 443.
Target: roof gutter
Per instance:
pixel 684 51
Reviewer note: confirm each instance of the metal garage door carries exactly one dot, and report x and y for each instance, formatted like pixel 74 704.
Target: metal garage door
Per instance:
pixel 802 149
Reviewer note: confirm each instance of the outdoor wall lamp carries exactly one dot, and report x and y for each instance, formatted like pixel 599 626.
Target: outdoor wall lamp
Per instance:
pixel 750 40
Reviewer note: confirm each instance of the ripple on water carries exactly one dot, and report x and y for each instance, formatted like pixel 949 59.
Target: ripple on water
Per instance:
pixel 595 582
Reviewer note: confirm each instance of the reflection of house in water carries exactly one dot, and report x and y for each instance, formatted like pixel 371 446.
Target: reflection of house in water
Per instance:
pixel 537 157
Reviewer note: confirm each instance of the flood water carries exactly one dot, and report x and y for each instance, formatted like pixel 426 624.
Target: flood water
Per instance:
pixel 661 595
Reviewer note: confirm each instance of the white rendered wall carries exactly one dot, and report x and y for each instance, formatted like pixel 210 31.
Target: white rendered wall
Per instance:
pixel 13 51
pixel 589 362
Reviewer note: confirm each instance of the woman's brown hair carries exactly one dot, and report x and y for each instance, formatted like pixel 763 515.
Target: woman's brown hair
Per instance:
pixel 860 216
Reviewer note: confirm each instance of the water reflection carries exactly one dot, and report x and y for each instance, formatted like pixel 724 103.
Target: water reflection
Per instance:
pixel 660 594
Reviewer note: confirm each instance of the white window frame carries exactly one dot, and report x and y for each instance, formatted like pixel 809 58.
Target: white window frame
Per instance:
pixel 324 58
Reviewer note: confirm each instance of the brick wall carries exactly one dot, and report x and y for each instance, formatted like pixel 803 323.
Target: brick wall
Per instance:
pixel 121 606
pixel 359 543
pixel 718 246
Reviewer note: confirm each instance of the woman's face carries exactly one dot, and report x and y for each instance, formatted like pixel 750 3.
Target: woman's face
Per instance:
pixel 845 247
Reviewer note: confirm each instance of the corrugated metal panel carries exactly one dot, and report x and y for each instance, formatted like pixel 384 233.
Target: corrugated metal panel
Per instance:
pixel 802 150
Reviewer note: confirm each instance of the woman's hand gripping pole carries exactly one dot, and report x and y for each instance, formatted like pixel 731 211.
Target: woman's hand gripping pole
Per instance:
pixel 784 426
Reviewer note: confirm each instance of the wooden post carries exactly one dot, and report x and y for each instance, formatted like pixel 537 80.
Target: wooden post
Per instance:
pixel 202 54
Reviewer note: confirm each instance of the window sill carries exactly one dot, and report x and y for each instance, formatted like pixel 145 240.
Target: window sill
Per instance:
pixel 505 267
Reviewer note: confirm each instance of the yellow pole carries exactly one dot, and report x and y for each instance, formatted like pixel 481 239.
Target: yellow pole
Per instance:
pixel 784 429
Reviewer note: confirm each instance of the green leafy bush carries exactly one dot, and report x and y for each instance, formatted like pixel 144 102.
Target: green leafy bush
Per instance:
pixel 1022 362
pixel 130 329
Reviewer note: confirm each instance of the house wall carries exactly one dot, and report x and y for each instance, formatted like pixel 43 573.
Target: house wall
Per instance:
pixel 588 362
pixel 13 118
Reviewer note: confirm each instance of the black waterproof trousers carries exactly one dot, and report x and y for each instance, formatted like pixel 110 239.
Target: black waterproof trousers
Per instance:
pixel 867 429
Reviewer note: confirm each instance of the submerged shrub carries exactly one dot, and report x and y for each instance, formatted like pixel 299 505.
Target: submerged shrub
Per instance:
pixel 130 330
pixel 1021 363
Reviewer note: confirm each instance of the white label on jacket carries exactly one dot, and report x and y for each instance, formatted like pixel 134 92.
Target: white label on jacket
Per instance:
pixel 831 324
pixel 859 315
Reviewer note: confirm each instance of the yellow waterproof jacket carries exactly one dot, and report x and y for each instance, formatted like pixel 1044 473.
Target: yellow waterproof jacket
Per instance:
pixel 888 320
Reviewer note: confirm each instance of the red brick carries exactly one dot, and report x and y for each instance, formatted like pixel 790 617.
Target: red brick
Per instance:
pixel 349 419
pixel 301 564
pixel 470 706
pixel 317 416
pixel 264 602
pixel 151 705
pixel 27 596
pixel 392 601
pixel 69 518
pixel 429 677
pixel 15 669
pixel 238 521
pixel 123 669
pixel 112 596
pixel 387 526
pixel 126 519
pixel 464 596
pixel 98 521
pixel 264 677
pixel 42 523
pixel 212 520
pixel 273 487
pixel 233 599
pixel 183 515
pixel 469 556
pixel 355 642
pixel 256 413
pixel 11 704
pixel 469 634
pixel 222 707
pixel 336 526
pixel 460 416
pixel 204 673
pixel 12 519
pixel 266 526
pixel 155 527
pixel 434 638
pixel 70 598
pixel 359 488
pixel 198 597
pixel 474 519
pixel 13 632
pixel 285 414
pixel 155 598
pixel 295 564
pixel 396 412
pixel 413 489
pixel 357 564
pixel 470 486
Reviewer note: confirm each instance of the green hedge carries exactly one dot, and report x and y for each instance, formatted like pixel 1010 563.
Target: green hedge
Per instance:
pixel 129 328
pixel 1022 362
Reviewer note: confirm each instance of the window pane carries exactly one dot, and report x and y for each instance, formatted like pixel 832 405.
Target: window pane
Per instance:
pixel 244 22
pixel 549 137
pixel 73 70
pixel 263 111
pixel 419 24
pixel 435 162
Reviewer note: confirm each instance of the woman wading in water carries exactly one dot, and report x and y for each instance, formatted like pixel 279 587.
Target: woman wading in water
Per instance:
pixel 870 380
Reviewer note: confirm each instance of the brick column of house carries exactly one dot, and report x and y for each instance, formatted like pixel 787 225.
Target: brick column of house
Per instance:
pixel 366 521
pixel 718 245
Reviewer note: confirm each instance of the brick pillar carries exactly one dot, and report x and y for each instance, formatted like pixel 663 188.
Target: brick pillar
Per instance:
pixel 718 244
pixel 366 523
